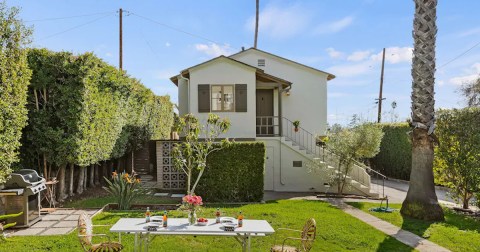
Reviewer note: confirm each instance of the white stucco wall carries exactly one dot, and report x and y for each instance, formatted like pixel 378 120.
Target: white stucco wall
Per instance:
pixel 227 72
pixel 308 98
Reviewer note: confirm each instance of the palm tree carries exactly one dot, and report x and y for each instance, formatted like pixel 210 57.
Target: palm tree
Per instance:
pixel 421 201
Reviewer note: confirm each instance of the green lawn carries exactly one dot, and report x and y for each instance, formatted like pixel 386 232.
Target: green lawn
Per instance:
pixel 457 232
pixel 336 231
pixel 99 202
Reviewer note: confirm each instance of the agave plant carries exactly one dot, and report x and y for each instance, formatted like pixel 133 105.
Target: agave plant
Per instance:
pixel 4 226
pixel 124 187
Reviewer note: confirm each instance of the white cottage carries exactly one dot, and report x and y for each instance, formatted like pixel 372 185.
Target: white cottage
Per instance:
pixel 262 94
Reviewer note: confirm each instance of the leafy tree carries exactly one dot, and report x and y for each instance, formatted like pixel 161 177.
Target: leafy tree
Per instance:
pixel 15 76
pixel 471 91
pixel 199 142
pixel 457 157
pixel 348 146
pixel 421 201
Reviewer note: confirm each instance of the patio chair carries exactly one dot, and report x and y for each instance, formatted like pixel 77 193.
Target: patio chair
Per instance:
pixel 306 239
pixel 85 234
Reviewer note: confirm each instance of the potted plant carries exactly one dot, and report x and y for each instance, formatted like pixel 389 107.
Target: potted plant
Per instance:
pixel 296 123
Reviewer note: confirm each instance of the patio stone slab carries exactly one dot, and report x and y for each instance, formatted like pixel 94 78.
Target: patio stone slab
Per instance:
pixel 63 212
pixel 177 195
pixel 161 194
pixel 63 224
pixel 28 231
pixel 44 224
pixel 56 217
pixel 73 217
pixel 57 231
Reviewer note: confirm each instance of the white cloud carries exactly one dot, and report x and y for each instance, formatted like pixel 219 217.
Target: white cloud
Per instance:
pixel 395 55
pixel 350 70
pixel 281 22
pixel 108 54
pixel 469 75
pixel 359 55
pixel 334 26
pixel 214 50
pixel 334 54
pixel 470 32
pixel 167 44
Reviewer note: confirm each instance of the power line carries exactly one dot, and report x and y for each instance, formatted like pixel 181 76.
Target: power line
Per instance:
pixel 72 28
pixel 176 29
pixel 460 55
pixel 69 17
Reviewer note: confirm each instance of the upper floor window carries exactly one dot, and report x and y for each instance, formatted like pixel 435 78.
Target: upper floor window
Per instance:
pixel 222 98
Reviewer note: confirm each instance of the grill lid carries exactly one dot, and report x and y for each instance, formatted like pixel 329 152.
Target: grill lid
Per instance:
pixel 24 178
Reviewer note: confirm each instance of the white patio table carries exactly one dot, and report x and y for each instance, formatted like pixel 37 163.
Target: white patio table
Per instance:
pixel 179 226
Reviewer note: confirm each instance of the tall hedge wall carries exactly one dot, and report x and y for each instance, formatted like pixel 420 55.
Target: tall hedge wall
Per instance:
pixel 395 157
pixel 234 174
pixel 14 77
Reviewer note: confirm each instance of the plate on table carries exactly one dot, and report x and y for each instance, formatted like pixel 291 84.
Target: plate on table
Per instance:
pixel 228 220
pixel 157 219
pixel 153 224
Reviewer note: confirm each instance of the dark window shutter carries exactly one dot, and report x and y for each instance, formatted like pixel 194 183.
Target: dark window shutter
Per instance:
pixel 240 97
pixel 203 98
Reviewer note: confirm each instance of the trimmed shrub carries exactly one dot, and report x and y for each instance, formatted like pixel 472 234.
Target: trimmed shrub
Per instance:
pixel 234 174
pixel 395 157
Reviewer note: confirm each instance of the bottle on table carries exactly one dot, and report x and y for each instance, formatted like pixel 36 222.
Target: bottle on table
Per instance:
pixel 165 218
pixel 240 219
pixel 217 214
pixel 147 215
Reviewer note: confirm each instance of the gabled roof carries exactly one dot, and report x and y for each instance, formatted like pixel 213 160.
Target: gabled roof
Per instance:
pixel 259 72
pixel 329 75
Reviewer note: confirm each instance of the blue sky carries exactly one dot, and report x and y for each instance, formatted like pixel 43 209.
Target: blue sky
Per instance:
pixel 342 37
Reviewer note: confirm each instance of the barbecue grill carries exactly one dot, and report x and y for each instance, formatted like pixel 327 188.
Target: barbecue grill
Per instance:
pixel 22 194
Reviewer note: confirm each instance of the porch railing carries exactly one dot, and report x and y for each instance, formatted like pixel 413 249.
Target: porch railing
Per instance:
pixel 269 126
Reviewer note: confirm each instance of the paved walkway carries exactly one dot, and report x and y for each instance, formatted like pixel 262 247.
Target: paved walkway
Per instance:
pixel 60 222
pixel 401 235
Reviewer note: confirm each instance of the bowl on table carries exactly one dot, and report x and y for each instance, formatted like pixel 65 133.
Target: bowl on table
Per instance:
pixel 202 222
pixel 156 219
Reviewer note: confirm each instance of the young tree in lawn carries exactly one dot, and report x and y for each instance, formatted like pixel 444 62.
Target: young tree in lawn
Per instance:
pixel 457 157
pixel 421 201
pixel 348 146
pixel 200 141
pixel 15 76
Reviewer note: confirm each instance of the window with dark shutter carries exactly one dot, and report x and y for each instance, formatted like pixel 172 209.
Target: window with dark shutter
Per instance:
pixel 203 98
pixel 241 97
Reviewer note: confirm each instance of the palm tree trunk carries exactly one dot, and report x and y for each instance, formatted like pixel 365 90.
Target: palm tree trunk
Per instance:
pixel 421 201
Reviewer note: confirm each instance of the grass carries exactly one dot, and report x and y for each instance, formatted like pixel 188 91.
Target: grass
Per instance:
pixel 457 232
pixel 336 231
pixel 101 201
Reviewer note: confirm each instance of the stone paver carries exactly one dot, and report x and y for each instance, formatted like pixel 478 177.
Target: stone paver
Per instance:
pixel 54 217
pixel 161 194
pixel 28 231
pixel 401 235
pixel 177 195
pixel 62 224
pixel 57 231
pixel 44 224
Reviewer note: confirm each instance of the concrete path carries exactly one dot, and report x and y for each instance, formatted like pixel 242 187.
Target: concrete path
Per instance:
pixel 397 191
pixel 60 222
pixel 401 235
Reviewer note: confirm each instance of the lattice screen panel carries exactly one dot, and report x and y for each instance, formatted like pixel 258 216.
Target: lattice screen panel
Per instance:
pixel 167 176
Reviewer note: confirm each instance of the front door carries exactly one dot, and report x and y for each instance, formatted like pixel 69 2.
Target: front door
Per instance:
pixel 265 112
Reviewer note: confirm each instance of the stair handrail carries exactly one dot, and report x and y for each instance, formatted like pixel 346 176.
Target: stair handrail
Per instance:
pixel 312 148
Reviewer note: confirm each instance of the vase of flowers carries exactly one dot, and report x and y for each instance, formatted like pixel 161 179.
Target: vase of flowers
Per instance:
pixel 191 203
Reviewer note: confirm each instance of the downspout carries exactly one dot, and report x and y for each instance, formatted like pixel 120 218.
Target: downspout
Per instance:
pixel 188 95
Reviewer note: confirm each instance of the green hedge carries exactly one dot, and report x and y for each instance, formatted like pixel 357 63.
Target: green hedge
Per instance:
pixel 234 174
pixel 395 157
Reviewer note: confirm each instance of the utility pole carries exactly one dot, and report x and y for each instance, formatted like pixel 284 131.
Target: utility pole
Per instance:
pixel 120 63
pixel 256 25
pixel 380 98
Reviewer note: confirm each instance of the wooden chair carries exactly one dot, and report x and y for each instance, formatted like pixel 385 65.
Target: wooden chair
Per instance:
pixel 85 234
pixel 307 237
